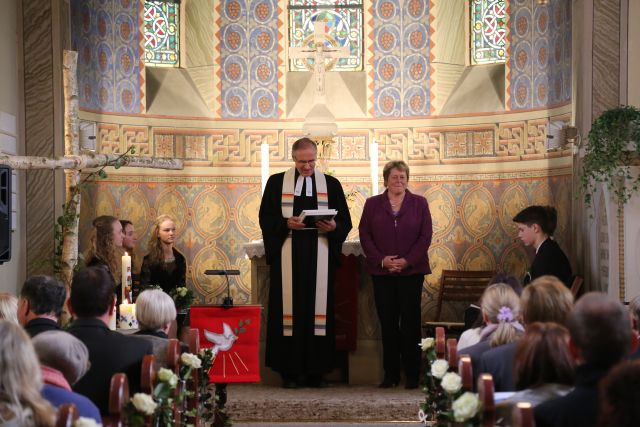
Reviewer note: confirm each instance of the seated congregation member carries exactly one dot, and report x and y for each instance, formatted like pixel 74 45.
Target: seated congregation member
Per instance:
pixel 620 396
pixel 40 304
pixel 21 404
pixel 8 307
pixel 64 359
pixel 500 311
pixel 106 247
pixel 536 225
pixel 91 303
pixel 546 299
pixel 155 311
pixel 600 337
pixel 164 265
pixel 473 313
pixel 543 366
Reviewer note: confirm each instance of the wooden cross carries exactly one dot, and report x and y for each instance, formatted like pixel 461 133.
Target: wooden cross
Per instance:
pixel 319 55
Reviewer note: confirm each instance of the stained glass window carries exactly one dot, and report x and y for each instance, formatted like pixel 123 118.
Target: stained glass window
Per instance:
pixel 161 33
pixel 488 31
pixel 343 26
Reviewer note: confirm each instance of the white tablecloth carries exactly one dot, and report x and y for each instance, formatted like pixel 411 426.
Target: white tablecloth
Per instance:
pixel 255 248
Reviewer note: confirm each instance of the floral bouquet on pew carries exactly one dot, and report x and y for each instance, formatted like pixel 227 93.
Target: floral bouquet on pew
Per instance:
pixel 444 402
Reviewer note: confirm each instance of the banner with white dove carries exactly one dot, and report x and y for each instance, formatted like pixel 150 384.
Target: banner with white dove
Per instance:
pixel 234 335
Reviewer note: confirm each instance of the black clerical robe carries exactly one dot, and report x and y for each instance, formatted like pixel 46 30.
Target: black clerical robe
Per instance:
pixel 303 352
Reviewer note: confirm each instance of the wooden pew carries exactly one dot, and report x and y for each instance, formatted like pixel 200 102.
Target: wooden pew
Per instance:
pixel 149 374
pixel 193 385
pixel 118 398
pixel 486 397
pixel 67 415
pixel 465 370
pixel 173 363
pixel 440 343
pixel 452 353
pixel 522 415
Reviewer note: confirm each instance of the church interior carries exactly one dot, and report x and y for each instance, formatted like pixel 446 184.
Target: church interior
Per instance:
pixel 490 103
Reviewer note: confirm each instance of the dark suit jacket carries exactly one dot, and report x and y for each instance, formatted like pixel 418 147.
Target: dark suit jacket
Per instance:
pixel 579 408
pixel 551 260
pixel 109 352
pixel 39 325
pixel 499 363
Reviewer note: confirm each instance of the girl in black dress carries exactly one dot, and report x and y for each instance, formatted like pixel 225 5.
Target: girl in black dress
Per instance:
pixel 164 265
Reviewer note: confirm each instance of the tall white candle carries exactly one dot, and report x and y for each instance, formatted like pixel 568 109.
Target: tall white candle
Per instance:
pixel 126 277
pixel 373 154
pixel 264 164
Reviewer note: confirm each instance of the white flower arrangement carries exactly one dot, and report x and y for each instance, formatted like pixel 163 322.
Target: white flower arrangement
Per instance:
pixel 465 407
pixel 144 403
pixel 439 368
pixel 451 383
pixel 166 375
pixel 85 422
pixel 191 360
pixel 426 343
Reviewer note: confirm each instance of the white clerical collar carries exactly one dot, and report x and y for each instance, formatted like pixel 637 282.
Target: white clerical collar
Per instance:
pixel 308 186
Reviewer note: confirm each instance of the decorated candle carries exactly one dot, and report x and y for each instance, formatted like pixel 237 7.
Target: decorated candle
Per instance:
pixel 373 154
pixel 127 316
pixel 126 277
pixel 264 164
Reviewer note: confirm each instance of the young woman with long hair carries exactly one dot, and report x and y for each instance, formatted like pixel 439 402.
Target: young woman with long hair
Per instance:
pixel 106 241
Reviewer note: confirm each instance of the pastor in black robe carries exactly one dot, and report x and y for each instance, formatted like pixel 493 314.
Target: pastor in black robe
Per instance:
pixel 303 353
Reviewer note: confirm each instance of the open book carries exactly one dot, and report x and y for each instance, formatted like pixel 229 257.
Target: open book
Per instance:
pixel 310 216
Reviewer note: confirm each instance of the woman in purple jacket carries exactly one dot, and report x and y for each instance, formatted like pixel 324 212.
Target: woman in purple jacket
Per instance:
pixel 395 233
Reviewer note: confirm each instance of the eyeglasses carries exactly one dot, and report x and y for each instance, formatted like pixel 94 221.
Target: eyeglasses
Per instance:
pixel 306 162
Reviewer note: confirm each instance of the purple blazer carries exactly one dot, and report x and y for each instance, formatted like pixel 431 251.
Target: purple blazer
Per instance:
pixel 407 235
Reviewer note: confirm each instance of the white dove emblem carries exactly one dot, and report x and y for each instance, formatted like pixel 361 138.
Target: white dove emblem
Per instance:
pixel 223 341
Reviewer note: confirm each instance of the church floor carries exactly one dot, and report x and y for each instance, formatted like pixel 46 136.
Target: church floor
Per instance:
pixel 254 405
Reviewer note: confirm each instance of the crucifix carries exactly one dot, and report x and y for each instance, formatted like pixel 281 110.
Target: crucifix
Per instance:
pixel 73 162
pixel 320 53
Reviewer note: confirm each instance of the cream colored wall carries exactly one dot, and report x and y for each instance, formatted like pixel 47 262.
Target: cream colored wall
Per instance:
pixel 11 273
pixel 634 54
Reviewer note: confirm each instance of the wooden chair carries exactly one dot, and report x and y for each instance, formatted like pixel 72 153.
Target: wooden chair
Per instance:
pixel 452 353
pixel 67 415
pixel 148 374
pixel 173 363
pixel 522 415
pixel 465 370
pixel 118 398
pixel 487 400
pixel 459 287
pixel 576 286
pixel 440 342
pixel 193 385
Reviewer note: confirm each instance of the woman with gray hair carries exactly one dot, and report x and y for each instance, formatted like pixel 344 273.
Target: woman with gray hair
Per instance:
pixel 8 307
pixel 20 381
pixel 64 359
pixel 155 311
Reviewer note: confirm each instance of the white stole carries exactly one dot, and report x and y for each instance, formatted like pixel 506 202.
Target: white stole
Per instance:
pixel 322 264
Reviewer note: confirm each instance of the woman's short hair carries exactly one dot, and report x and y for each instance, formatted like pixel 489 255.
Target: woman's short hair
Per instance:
pixel 394 164
pixel 542 356
pixel 546 299
pixel 501 306
pixel 154 309
pixel 8 307
pixel 64 352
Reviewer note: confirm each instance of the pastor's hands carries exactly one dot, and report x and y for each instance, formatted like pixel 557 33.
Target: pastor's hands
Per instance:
pixel 294 223
pixel 326 225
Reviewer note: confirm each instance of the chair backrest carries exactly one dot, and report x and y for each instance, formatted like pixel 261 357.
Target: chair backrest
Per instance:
pixel 452 353
pixel 462 286
pixel 440 342
pixel 576 285
pixel 194 341
pixel 173 355
pixel 67 415
pixel 522 415
pixel 118 398
pixel 148 374
pixel 487 400
pixel 193 384
pixel 465 370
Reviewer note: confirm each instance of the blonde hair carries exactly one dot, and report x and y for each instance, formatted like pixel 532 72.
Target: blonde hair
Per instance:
pixel 546 299
pixel 494 299
pixel 21 379
pixel 8 307
pixel 154 309
pixel 154 248
pixel 102 245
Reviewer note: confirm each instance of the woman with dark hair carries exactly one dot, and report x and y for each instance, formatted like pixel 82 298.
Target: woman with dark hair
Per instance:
pixel 164 265
pixel 543 367
pixel 536 225
pixel 620 396
pixel 395 233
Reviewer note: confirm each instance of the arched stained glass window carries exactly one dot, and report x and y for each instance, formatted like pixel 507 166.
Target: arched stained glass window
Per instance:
pixel 488 31
pixel 161 33
pixel 343 25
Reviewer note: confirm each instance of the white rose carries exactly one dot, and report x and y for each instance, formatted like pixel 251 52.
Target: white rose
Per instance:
pixel 182 291
pixel 168 376
pixel 144 403
pixel 191 360
pixel 426 343
pixel 465 407
pixel 85 422
pixel 451 383
pixel 439 368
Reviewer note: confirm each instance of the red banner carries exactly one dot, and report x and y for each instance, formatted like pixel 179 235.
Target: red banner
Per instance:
pixel 234 335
